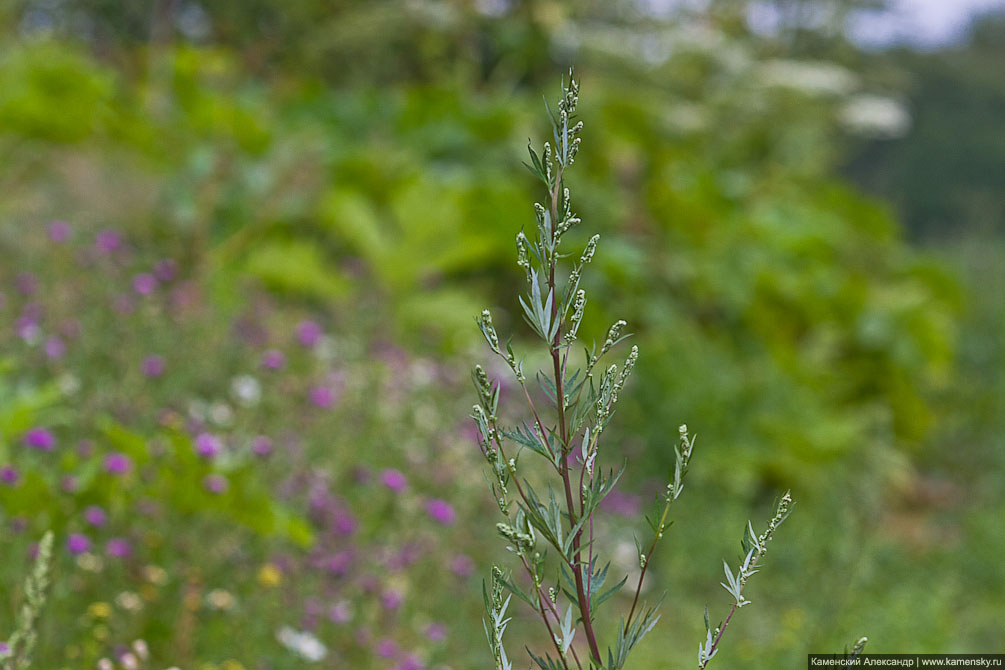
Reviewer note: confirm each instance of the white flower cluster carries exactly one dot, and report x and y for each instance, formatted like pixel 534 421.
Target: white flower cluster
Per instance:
pixel 303 644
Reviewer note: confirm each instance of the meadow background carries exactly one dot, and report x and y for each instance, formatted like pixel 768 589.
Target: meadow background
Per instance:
pixel 243 243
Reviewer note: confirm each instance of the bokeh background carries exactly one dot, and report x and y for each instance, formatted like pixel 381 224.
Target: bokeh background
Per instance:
pixel 242 244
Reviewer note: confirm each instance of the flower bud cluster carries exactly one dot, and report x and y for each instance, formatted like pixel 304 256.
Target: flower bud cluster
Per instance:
pixel 522 541
pixel 522 257
pixel 781 512
pixel 613 335
pixel 578 307
pixel 683 457
pixel 489 332
pixel 591 248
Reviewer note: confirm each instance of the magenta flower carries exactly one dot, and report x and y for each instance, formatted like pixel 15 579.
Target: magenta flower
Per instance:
pixel 386 648
pixel 462 565
pixel 440 510
pixel 411 662
pixel 215 484
pixel 69 484
pixel 26 283
pixel 78 543
pixel 340 612
pixel 59 231
pixel 344 524
pixel 40 438
pixel 95 516
pixel 8 475
pixel 391 599
pixel 309 333
pixel 144 283
pixel 622 504
pixel 273 359
pixel 208 446
pixel 394 480
pixel 153 366
pixel 166 269
pixel 54 347
pixel 4 648
pixel 107 241
pixel 118 547
pixel 27 329
pixel 322 396
pixel 339 563
pixel 436 632
pixel 117 463
pixel 261 446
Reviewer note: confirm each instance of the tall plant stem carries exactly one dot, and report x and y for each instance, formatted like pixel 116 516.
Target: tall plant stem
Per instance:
pixel 584 601
pixel 649 556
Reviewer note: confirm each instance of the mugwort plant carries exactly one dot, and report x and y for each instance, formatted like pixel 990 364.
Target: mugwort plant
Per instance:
pixel 565 429
pixel 16 652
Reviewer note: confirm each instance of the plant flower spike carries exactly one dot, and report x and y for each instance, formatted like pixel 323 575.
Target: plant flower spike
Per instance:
pixel 565 430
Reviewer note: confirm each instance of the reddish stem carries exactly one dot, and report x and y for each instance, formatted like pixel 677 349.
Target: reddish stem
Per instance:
pixel 577 569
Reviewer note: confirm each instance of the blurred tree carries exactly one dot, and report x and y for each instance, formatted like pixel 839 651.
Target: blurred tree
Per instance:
pixel 945 177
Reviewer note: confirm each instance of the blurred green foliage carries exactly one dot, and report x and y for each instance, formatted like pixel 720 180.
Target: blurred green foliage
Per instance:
pixel 363 160
pixel 956 99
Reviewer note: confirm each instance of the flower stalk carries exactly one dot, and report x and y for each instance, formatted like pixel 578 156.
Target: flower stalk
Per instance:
pixel 565 429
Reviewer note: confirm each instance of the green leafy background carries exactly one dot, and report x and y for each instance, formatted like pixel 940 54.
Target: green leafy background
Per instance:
pixel 361 162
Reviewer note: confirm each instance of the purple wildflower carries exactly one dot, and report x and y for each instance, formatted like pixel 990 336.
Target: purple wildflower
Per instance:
pixel 322 396
pixel 59 231
pixel 339 563
pixel 4 649
pixel 107 241
pixel 69 484
pixel 622 504
pixel 207 445
pixel 117 463
pixel 27 329
pixel 153 366
pixel 386 648
pixel 391 599
pixel 118 547
pixel 273 359
pixel 345 523
pixel 411 662
pixel 78 543
pixel 166 269
pixel 215 484
pixel 309 333
pixel 40 438
pixel 54 347
pixel 394 480
pixel 462 565
pixel 26 283
pixel 261 446
pixel 441 510
pixel 144 283
pixel 340 612
pixel 95 516
pixel 8 475
pixel 436 632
